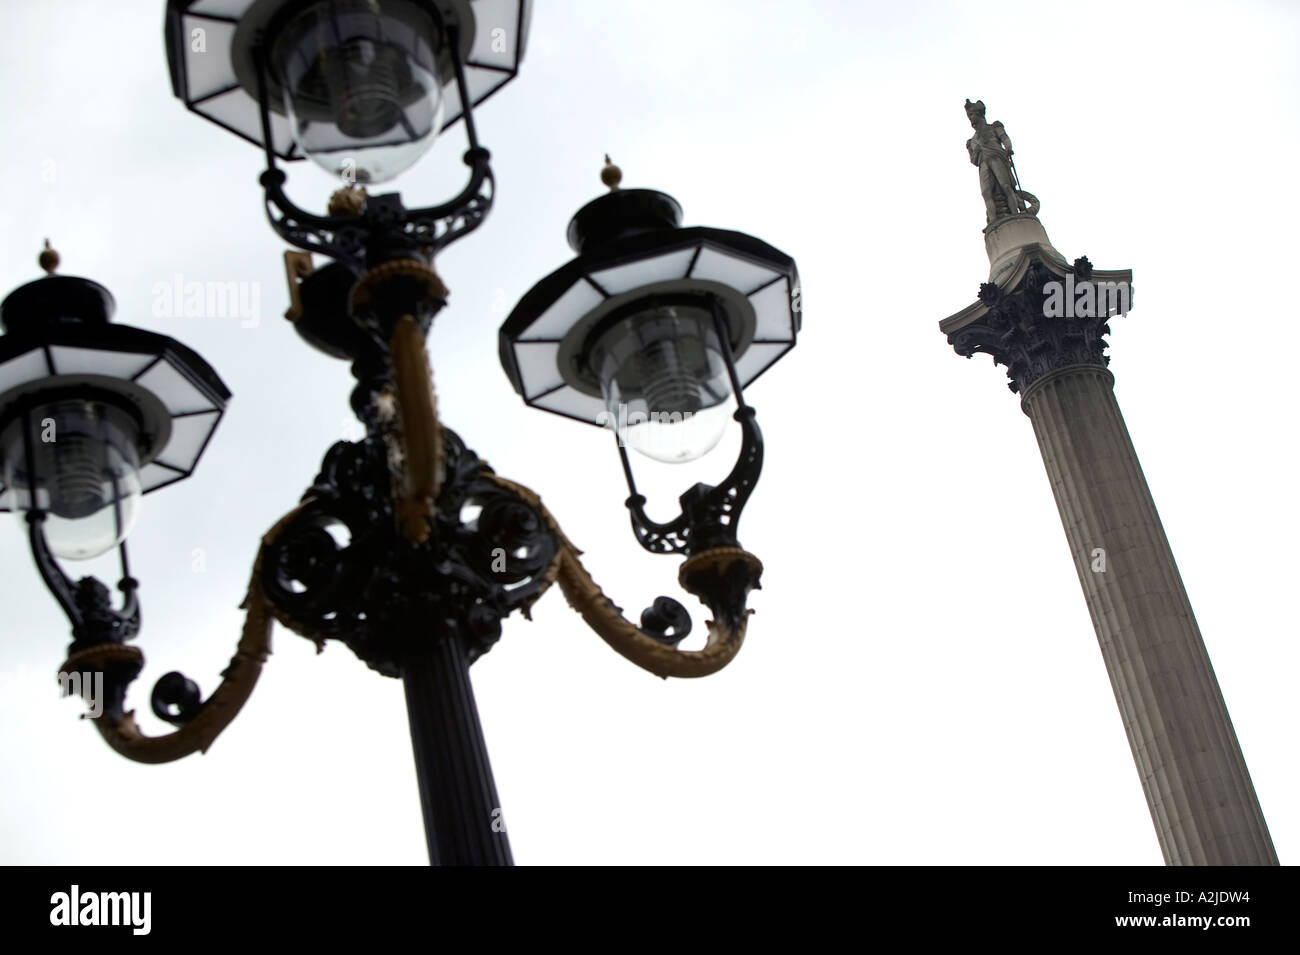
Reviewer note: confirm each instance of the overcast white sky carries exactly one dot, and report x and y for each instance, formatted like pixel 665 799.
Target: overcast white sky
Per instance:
pixel 921 682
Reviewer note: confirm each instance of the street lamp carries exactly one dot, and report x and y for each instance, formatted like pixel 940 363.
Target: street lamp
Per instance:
pixel 93 415
pixel 649 331
pixel 407 547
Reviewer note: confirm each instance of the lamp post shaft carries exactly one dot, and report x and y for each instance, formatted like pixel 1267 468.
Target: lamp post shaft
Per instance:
pixel 462 816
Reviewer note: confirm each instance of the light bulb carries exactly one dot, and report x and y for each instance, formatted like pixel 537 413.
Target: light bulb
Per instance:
pixel 361 87
pixel 664 382
pixel 84 474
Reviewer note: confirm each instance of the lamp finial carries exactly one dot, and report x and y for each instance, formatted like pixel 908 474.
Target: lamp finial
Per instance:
pixel 611 175
pixel 48 259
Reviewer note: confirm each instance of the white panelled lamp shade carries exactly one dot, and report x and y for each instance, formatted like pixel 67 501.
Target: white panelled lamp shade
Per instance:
pixel 625 335
pixel 94 414
pixel 360 86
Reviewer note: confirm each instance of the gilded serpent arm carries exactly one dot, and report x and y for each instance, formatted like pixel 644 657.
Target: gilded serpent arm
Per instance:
pixel 121 663
pixel 394 295
pixel 721 577
pixel 425 457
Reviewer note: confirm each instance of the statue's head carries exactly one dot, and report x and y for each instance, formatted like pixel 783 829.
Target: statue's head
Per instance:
pixel 974 109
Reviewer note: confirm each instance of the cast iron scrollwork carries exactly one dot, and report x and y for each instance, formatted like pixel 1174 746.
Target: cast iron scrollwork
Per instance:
pixel 342 238
pixel 709 515
pixel 99 651
pixel 721 577
pixel 666 620
pixel 489 554
pixel 176 698
pixel 384 228
pixel 87 603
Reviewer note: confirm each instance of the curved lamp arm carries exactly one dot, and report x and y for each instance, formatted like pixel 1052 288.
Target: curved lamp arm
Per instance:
pixel 718 572
pixel 176 698
pixel 721 577
pixel 420 440
pixel 412 555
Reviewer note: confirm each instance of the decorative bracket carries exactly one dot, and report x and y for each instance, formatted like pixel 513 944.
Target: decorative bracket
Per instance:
pixel 721 577
pixel 101 651
pixel 709 515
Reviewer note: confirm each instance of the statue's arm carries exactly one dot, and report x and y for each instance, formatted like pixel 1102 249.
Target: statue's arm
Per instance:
pixel 1003 138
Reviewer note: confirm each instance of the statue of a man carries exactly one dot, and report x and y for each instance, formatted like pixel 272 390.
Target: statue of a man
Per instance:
pixel 990 150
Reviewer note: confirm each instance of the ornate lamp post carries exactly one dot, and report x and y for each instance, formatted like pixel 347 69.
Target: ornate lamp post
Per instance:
pixel 408 548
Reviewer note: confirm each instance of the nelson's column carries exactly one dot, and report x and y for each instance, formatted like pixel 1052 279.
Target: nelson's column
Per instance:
pixel 1046 321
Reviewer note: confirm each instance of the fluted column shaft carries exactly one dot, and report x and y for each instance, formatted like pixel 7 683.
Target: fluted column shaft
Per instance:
pixel 1195 779
pixel 463 823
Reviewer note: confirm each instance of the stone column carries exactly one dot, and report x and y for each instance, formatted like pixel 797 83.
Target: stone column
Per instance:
pixel 1039 316
pixel 1196 782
